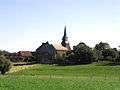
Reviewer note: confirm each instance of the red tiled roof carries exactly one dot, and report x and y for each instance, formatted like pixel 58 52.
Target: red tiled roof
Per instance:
pixel 25 53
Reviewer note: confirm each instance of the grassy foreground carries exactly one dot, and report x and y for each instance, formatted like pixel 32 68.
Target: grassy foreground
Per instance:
pixel 36 83
pixel 53 77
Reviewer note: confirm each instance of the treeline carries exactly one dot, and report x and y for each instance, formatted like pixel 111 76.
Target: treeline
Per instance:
pixel 84 54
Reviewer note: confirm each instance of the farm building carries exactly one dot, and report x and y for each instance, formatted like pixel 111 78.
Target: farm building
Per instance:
pixel 17 56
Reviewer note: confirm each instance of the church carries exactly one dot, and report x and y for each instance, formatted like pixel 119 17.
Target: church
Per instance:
pixel 46 52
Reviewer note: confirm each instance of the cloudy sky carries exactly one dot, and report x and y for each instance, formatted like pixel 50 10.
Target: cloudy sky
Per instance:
pixel 25 24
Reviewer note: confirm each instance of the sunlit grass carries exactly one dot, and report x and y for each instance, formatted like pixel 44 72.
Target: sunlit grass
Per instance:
pixel 36 83
pixel 19 67
pixel 94 76
pixel 75 70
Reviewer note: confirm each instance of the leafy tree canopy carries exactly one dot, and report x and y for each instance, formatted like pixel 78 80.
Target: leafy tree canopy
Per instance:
pixel 5 64
pixel 102 46
pixel 83 53
pixel 110 54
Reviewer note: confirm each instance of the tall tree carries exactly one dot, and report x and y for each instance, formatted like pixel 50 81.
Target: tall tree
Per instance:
pixel 102 46
pixel 83 53
pixel 110 55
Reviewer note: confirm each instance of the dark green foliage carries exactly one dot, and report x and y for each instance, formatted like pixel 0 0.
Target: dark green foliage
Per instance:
pixel 110 55
pixel 30 59
pixel 3 52
pixel 71 58
pixel 118 59
pixel 82 54
pixel 98 54
pixel 85 54
pixel 60 58
pixel 64 56
pixel 102 46
pixel 5 64
pixel 115 49
pixel 21 59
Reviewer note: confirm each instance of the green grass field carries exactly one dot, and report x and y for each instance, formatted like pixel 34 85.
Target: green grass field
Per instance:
pixel 75 70
pixel 37 83
pixel 53 77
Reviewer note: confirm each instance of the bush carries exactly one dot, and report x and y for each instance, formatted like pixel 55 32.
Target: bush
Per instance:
pixel 30 59
pixel 60 58
pixel 5 64
pixel 21 59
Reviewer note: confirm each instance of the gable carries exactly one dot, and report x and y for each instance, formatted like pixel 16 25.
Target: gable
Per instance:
pixel 46 47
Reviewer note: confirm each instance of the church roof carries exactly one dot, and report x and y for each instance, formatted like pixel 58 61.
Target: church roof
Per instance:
pixel 59 47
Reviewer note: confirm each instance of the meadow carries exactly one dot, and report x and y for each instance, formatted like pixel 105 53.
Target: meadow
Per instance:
pixel 37 83
pixel 95 69
pixel 94 76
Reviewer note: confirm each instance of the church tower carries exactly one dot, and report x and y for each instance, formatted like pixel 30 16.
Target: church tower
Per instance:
pixel 65 41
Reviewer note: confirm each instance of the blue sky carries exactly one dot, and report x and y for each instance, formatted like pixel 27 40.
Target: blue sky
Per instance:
pixel 25 24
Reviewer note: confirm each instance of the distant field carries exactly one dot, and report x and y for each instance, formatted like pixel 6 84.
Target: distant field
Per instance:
pixel 53 77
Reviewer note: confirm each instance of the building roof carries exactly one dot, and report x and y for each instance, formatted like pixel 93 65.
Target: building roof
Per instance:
pixel 25 53
pixel 59 47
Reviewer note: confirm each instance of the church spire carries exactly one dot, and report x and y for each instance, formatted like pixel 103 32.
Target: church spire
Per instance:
pixel 65 31
pixel 65 41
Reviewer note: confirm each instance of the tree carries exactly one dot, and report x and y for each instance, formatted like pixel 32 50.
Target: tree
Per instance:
pixel 71 58
pixel 110 55
pixel 115 49
pixel 5 64
pixel 83 54
pixel 3 52
pixel 99 55
pixel 102 46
